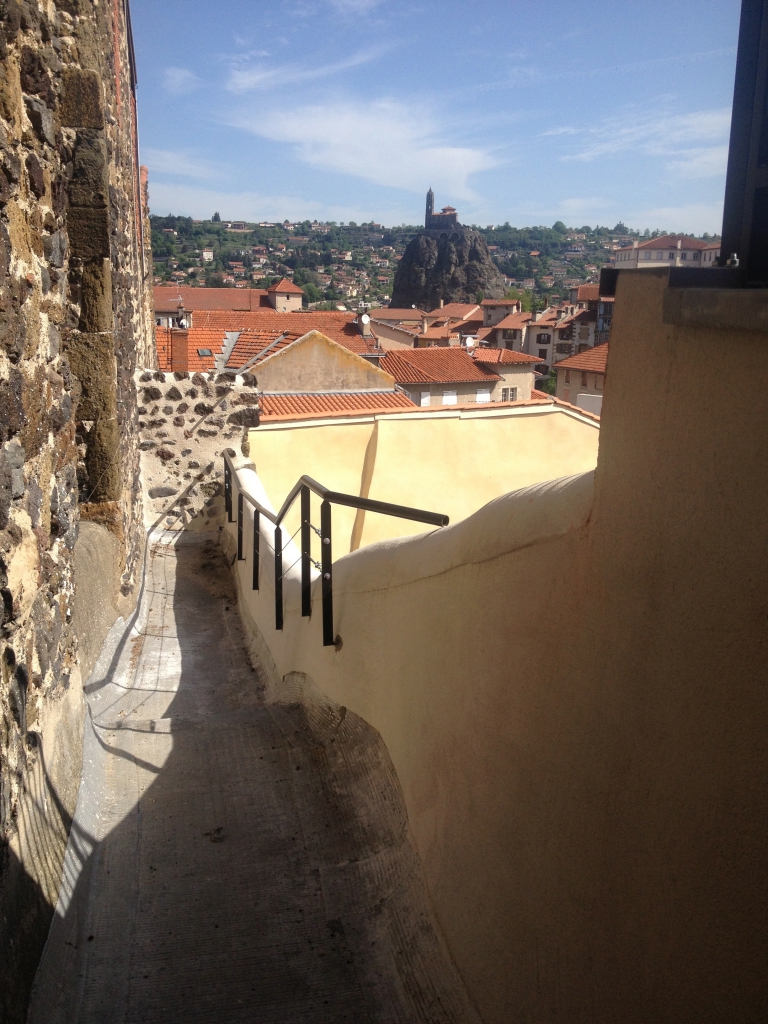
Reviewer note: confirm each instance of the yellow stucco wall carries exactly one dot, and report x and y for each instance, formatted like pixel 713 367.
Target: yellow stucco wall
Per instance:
pixel 316 363
pixel 451 462
pixel 571 685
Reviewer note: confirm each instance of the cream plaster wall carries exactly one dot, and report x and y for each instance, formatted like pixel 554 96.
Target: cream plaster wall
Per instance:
pixel 442 654
pixel 452 461
pixel 572 689
pixel 315 363
pixel 568 391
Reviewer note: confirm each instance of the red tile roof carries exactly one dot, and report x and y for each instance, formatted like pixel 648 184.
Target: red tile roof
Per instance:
pixel 588 293
pixel 456 310
pixel 287 286
pixel 502 355
pixel 500 302
pixel 593 360
pixel 435 333
pixel 391 313
pixel 668 242
pixel 338 326
pixel 515 321
pixel 169 297
pixel 435 365
pixel 273 406
pixel 178 349
pixel 252 343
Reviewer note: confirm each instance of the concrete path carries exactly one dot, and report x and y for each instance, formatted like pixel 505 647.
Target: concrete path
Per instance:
pixel 231 860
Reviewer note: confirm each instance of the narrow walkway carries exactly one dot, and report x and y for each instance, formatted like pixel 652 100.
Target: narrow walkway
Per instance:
pixel 231 860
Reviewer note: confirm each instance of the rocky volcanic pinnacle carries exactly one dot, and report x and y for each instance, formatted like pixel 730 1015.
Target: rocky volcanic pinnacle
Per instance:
pixel 433 269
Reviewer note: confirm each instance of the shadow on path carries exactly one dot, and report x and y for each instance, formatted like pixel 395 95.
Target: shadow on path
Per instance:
pixel 231 860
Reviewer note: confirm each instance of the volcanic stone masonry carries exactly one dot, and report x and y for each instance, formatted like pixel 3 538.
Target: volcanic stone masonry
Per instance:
pixel 186 423
pixel 75 322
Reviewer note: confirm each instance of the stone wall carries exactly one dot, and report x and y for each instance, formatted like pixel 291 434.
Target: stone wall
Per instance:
pixel 75 319
pixel 186 422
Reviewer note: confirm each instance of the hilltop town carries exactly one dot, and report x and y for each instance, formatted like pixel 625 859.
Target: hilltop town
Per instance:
pixel 348 264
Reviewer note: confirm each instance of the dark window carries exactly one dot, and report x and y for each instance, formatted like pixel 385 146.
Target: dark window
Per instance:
pixel 542 353
pixel 583 380
pixel 204 352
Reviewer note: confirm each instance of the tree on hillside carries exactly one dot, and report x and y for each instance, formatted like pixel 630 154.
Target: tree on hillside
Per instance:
pixel 216 218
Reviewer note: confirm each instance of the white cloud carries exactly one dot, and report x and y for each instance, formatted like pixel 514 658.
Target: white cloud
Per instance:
pixel 246 79
pixel 165 161
pixel 384 142
pixel 180 81
pixel 692 144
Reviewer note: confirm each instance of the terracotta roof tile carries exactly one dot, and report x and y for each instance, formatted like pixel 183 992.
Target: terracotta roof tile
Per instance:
pixel 389 313
pixel 319 405
pixel 456 310
pixel 515 321
pixel 668 242
pixel 435 365
pixel 588 293
pixel 593 360
pixel 284 285
pixel 434 333
pixel 502 355
pixel 338 326
pixel 169 297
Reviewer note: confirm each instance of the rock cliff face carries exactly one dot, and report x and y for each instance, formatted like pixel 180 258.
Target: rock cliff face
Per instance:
pixel 453 269
pixel 75 320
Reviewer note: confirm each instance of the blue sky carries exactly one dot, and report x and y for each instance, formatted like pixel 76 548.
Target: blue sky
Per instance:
pixel 530 111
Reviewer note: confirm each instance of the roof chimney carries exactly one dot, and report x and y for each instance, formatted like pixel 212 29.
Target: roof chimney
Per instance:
pixel 534 316
pixel 424 325
pixel 442 303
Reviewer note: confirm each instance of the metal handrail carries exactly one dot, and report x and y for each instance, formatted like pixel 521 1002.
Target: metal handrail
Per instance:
pixel 302 488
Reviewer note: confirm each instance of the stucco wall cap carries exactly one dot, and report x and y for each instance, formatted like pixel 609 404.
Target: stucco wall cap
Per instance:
pixel 529 516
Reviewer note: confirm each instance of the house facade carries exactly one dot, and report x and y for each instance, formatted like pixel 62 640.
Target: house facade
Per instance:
pixel 581 379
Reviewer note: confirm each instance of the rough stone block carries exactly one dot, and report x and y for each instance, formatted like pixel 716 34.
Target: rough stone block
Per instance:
pixel 96 297
pixel 92 359
pixel 35 175
pixel 81 102
pixel 41 118
pixel 247 417
pixel 88 232
pixel 173 394
pixel 55 248
pixel 102 460
pixel 89 185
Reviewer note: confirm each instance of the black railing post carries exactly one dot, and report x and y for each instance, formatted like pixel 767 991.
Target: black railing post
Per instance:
pixel 228 490
pixel 240 556
pixel 278 578
pixel 326 562
pixel 306 581
pixel 256 539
